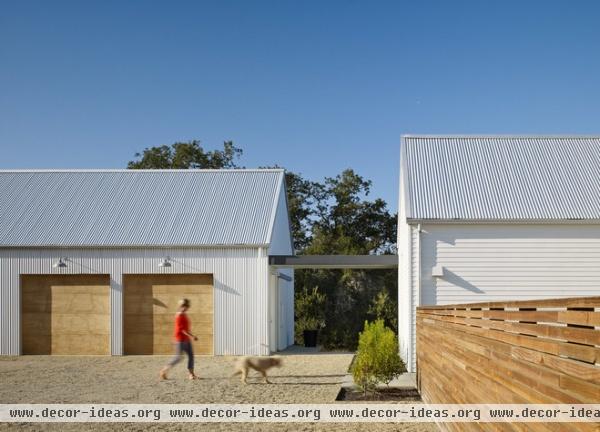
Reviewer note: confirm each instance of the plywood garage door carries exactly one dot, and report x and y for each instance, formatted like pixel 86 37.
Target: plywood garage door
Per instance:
pixel 65 314
pixel 150 303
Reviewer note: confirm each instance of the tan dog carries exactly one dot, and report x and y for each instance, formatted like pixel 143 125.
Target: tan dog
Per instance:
pixel 259 364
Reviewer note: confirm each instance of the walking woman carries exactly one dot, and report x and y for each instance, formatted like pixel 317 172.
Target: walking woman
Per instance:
pixel 182 338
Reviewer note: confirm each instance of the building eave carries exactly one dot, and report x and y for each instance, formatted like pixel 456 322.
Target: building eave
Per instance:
pixel 141 246
pixel 505 221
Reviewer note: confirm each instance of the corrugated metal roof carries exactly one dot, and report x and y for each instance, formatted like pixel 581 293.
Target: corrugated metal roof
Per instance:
pixel 501 177
pixel 137 207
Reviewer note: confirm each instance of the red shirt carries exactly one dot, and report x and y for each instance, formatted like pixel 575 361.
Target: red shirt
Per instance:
pixel 181 323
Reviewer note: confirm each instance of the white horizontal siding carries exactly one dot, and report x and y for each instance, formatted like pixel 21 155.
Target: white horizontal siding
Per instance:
pixel 240 284
pixel 499 262
pixel 415 300
pixel 405 282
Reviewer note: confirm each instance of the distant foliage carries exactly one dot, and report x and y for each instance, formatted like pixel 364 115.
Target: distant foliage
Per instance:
pixel 384 308
pixel 377 360
pixel 186 155
pixel 310 311
pixel 343 220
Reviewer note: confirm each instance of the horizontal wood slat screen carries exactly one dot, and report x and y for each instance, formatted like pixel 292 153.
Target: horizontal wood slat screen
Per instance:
pixel 535 351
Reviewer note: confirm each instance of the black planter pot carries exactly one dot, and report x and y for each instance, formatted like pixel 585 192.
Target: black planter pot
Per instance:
pixel 310 338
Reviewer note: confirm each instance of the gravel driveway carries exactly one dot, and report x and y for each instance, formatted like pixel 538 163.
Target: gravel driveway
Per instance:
pixel 302 379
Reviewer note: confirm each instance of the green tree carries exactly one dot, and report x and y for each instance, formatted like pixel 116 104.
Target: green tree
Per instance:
pixel 186 155
pixel 352 224
pixel 306 206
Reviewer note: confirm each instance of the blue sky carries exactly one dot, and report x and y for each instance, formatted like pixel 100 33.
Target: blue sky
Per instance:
pixel 314 86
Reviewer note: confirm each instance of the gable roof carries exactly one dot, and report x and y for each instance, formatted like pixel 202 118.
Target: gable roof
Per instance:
pixel 127 208
pixel 501 178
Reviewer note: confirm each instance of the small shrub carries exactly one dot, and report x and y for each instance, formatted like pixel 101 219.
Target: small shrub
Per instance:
pixel 377 360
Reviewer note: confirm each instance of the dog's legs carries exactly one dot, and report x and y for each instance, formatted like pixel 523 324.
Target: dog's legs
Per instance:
pixel 244 375
pixel 264 374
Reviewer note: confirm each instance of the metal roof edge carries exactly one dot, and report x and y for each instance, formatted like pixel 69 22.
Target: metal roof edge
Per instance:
pixel 523 136
pixel 505 221
pixel 116 170
pixel 140 246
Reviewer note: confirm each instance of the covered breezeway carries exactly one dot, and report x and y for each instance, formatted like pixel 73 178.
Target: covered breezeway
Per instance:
pixel 357 262
pixel 335 261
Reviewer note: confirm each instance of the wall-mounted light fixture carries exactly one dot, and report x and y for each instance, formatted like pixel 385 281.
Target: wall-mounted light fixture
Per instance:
pixel 60 263
pixel 166 262
pixel 284 277
pixel 437 271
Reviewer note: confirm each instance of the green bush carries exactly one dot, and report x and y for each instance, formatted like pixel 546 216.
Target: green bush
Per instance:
pixel 377 360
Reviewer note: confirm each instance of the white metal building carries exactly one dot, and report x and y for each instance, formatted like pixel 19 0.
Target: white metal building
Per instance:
pixel 486 218
pixel 102 256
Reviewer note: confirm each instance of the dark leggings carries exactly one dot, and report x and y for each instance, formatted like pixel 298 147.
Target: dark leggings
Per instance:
pixel 181 347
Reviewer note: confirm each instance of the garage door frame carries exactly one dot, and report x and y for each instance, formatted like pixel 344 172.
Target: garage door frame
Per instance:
pixel 125 276
pixel 21 316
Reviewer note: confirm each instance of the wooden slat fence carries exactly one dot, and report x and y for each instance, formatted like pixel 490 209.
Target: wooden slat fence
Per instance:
pixel 538 351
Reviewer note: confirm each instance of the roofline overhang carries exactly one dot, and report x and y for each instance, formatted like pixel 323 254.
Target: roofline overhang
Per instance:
pixel 129 170
pixel 142 246
pixel 504 221
pixel 404 182
pixel 524 136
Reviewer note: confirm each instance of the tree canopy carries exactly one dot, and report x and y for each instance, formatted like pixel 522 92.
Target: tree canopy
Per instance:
pixel 186 155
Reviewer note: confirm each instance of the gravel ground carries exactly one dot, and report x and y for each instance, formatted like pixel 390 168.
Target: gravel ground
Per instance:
pixel 302 379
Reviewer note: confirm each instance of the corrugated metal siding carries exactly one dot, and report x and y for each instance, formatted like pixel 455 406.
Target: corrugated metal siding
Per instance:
pixel 137 207
pixel 502 178
pixel 240 283
pixel 516 262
